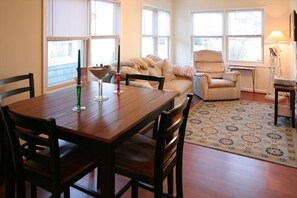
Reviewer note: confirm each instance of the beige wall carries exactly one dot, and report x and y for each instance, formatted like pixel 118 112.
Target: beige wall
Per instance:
pixel 21 39
pixel 276 18
pixel 131 28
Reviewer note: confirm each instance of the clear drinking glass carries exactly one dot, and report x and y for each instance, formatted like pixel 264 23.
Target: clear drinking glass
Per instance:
pixel 99 73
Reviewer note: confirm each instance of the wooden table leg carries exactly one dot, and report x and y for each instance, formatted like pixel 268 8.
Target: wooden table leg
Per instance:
pixel 292 106
pixel 107 174
pixel 275 106
pixel 253 78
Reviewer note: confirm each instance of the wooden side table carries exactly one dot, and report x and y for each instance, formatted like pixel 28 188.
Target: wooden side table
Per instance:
pixel 245 68
pixel 285 111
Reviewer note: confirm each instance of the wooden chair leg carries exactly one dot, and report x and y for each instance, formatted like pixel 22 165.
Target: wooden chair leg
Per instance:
pixel 158 194
pixel 9 185
pixel 98 178
pixel 158 188
pixel 9 172
pixel 20 188
pixel 67 193
pixel 33 190
pixel 179 182
pixel 134 189
pixel 1 161
pixel 170 183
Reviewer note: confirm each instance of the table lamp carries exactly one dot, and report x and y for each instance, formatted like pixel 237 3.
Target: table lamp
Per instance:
pixel 276 37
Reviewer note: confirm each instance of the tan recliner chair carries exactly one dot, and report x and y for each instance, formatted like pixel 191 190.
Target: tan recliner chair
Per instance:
pixel 212 82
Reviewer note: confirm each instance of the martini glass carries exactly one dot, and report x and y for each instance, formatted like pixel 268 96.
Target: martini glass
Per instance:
pixel 99 73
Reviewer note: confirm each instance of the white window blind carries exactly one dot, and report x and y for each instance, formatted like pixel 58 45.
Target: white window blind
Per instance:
pixel 67 18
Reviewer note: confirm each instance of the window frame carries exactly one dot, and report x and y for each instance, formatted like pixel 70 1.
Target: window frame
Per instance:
pixel 86 41
pixel 226 36
pixel 155 33
pixel 207 36
pixel 83 59
pixel 116 28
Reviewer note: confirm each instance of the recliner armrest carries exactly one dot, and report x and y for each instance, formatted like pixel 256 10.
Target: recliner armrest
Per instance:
pixel 204 75
pixel 232 76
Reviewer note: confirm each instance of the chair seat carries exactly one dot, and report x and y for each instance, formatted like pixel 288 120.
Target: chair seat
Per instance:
pixel 136 156
pixel 219 83
pixel 73 161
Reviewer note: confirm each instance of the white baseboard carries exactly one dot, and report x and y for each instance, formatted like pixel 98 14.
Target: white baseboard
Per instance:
pixel 256 90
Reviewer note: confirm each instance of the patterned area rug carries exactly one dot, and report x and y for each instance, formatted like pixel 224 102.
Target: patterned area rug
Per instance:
pixel 243 127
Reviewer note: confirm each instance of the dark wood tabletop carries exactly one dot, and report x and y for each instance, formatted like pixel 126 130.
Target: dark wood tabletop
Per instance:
pixel 103 125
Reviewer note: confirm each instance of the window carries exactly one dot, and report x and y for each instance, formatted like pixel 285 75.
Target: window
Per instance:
pixel 208 34
pixel 245 35
pixel 62 60
pixel 238 34
pixel 155 32
pixel 104 31
pixel 68 30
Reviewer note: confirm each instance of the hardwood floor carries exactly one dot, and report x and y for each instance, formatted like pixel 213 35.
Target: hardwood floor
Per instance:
pixel 211 173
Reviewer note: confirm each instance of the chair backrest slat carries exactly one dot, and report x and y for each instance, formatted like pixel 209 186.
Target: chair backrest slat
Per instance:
pixel 34 156
pixel 159 79
pixel 32 137
pixel 26 87
pixel 14 92
pixel 171 146
pixel 32 140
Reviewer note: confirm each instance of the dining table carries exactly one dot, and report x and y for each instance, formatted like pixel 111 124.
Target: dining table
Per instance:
pixel 103 125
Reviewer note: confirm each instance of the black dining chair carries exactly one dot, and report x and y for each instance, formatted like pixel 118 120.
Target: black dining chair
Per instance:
pixel 148 162
pixel 55 168
pixel 13 86
pixel 153 126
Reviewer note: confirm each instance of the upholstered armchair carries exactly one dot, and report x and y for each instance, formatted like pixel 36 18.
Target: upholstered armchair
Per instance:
pixel 212 82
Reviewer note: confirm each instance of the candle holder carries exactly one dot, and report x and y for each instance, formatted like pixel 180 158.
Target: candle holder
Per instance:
pixel 84 76
pixel 118 79
pixel 78 106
